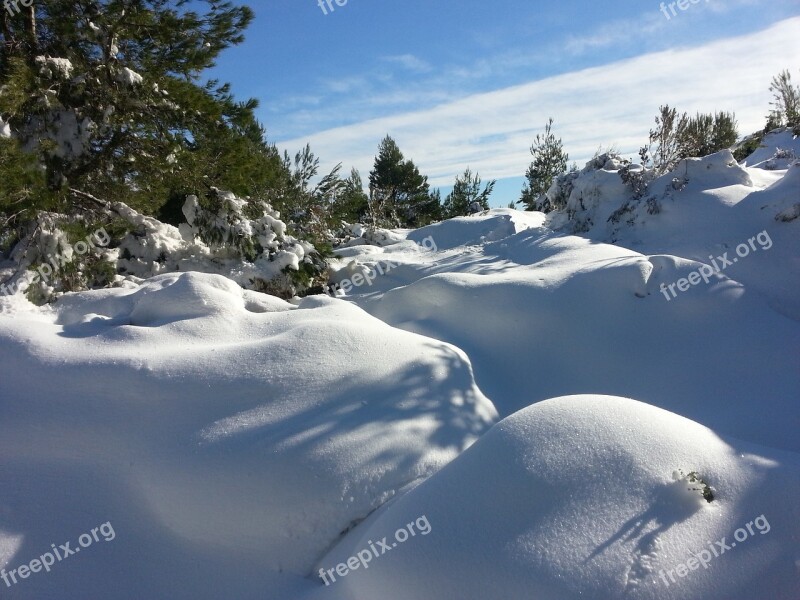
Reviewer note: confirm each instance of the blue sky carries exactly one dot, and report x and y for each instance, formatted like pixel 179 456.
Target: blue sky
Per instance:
pixel 470 83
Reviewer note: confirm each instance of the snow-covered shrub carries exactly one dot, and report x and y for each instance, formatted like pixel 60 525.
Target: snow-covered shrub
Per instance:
pixel 241 239
pixel 779 159
pixel 578 194
pixel 234 226
pixel 558 195
pixel 58 254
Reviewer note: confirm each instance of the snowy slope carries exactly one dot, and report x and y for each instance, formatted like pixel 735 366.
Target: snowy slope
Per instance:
pixel 544 315
pixel 575 498
pixel 227 436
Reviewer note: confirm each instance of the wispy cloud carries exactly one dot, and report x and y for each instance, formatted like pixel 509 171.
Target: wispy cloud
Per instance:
pixel 612 104
pixel 409 62
pixel 617 32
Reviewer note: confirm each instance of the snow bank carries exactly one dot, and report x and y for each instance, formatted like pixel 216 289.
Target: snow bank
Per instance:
pixel 542 316
pixel 778 150
pixel 575 498
pixel 488 226
pixel 228 436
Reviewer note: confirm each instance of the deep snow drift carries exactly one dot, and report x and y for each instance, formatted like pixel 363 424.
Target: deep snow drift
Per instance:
pixel 228 436
pixel 240 444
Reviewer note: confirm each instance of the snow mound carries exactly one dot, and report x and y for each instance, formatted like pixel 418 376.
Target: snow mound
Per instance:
pixel 601 205
pixel 577 497
pixel 559 315
pixel 778 150
pixel 488 226
pixel 713 171
pixel 231 435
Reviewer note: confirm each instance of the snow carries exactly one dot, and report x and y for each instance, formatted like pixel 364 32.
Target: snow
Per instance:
pixel 575 498
pixel 777 150
pixel 5 129
pixel 239 443
pixel 129 77
pixel 54 68
pixel 172 409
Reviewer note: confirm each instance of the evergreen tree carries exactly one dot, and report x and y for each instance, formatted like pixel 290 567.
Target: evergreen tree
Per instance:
pixel 725 131
pixel 466 194
pixel 104 93
pixel 549 161
pixel 22 187
pixel 351 205
pixel 399 196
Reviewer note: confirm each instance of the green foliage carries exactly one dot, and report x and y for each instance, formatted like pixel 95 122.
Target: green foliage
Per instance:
pixel 74 259
pixel 549 161
pixel 466 193
pixel 351 204
pixel 706 134
pixel 22 186
pixel 125 118
pixel 749 145
pixel 677 136
pixel 399 196
pixel 696 484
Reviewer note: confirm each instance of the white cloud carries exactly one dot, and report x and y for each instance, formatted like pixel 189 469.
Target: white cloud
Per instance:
pixel 611 104
pixel 409 62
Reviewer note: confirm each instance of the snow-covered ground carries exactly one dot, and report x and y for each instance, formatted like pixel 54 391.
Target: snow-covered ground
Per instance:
pixel 240 446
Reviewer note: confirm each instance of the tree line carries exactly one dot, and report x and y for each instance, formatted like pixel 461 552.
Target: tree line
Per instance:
pixel 103 100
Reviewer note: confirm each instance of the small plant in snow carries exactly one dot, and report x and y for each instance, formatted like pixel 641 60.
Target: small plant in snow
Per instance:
pixel 695 483
pixel 637 177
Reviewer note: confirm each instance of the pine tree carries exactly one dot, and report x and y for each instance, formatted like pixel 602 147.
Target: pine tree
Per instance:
pixel 549 161
pixel 467 195
pixel 105 93
pixel 351 205
pixel 399 194
pixel 725 131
